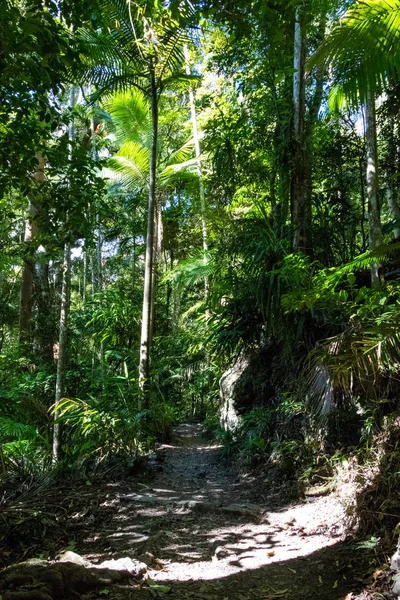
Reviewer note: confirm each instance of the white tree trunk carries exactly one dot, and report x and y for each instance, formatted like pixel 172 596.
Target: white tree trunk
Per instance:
pixel 196 140
pixel 300 194
pixel 62 347
pixel 29 265
pixel 394 212
pixel 197 150
pixel 374 218
pixel 148 291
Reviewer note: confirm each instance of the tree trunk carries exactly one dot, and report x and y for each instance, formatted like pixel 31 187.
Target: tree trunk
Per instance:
pixel 197 150
pixel 84 283
pixel 148 292
pixel 157 253
pixel 392 194
pixel 300 201
pixel 303 130
pixel 394 210
pixel 196 140
pixel 28 268
pixel 374 218
pixel 44 326
pixel 62 347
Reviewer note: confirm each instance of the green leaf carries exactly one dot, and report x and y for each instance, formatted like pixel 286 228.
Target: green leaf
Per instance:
pixel 351 278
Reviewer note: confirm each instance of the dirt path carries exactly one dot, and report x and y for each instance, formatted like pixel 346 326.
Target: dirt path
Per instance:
pixel 208 534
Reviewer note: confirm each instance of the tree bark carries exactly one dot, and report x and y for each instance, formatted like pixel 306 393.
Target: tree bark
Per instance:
pixel 45 325
pixel 301 211
pixel 84 283
pixel 392 194
pixel 394 210
pixel 148 292
pixel 157 253
pixel 62 347
pixel 197 150
pixel 28 269
pixel 303 130
pixel 196 140
pixel 374 217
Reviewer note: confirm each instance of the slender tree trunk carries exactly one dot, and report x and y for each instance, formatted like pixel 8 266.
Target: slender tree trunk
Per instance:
pixel 301 211
pixel 25 320
pixel 157 252
pixel 62 346
pixel 62 349
pixel 362 182
pixel 197 150
pixel 92 275
pixel 392 194
pixel 394 210
pixel 28 268
pixel 148 292
pixel 303 130
pixel 196 140
pixel 374 217
pixel 84 284
pixel 44 326
pixel 298 76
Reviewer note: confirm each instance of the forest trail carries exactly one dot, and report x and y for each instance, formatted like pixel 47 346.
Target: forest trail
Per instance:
pixel 207 533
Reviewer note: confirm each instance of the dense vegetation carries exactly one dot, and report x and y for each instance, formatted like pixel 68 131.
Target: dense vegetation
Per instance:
pixel 183 185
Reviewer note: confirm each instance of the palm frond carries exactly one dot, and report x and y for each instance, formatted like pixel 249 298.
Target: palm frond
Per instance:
pixel 187 169
pixel 130 166
pixel 364 48
pixel 15 430
pixel 363 261
pixel 192 270
pixel 131 116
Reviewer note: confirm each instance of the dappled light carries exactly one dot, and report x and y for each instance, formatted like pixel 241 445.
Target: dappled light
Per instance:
pixel 195 531
pixel 199 299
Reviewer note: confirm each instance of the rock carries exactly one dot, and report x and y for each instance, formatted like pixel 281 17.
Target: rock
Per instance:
pixel 72 557
pixel 396 585
pixel 320 490
pixel 321 389
pixel 395 562
pixel 133 567
pixel 231 391
pixel 221 552
pixel 148 559
pixel 41 580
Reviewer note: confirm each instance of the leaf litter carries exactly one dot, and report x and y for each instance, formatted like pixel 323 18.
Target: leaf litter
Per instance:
pixel 205 531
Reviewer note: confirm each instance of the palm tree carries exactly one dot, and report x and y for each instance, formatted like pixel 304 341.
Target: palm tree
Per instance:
pixel 142 48
pixel 131 165
pixel 364 51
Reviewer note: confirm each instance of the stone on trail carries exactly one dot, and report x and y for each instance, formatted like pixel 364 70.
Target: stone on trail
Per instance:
pixel 72 557
pixel 133 567
pixel 72 574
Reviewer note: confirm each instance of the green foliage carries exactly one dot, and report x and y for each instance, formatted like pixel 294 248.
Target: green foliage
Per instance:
pixel 364 48
pixel 98 429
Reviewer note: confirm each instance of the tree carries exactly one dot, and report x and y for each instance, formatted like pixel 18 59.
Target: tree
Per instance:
pixel 144 51
pixel 364 52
